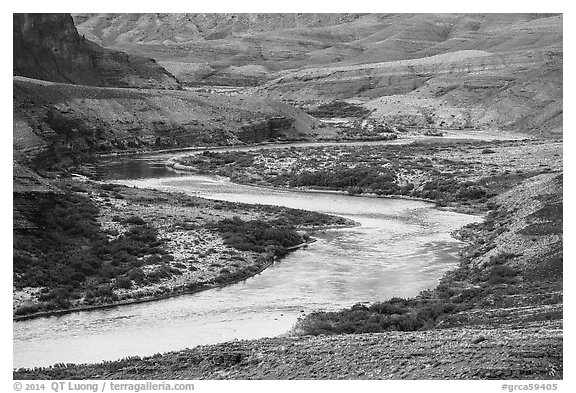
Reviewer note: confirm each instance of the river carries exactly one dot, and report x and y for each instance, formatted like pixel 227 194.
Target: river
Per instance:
pixel 401 248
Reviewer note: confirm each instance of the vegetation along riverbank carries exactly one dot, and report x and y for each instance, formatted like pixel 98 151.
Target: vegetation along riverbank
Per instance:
pixel 87 244
pixel 230 80
pixel 499 314
pixel 461 175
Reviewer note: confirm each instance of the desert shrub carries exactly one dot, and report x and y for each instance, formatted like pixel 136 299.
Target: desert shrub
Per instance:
pixel 137 275
pixel 161 272
pixel 102 292
pixel 502 258
pixel 339 109
pixel 501 274
pixel 470 192
pixel 394 314
pixel 109 186
pixel 135 220
pixel 386 308
pixel 58 293
pixel 256 235
pixel 123 282
pixel 69 253
pixel 28 309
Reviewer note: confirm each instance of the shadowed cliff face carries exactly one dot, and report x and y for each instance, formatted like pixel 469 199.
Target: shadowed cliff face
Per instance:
pixel 48 47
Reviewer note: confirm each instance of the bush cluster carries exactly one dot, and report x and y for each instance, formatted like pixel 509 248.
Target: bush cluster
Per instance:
pixel 343 178
pixel 257 235
pixel 69 255
pixel 339 109
pixel 357 171
pixel 394 314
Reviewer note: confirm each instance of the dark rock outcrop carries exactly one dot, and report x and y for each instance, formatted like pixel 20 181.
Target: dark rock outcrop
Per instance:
pixel 48 47
pixel 265 129
pixel 28 188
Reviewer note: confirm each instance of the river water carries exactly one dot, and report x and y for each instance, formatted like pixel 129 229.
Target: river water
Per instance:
pixel 400 248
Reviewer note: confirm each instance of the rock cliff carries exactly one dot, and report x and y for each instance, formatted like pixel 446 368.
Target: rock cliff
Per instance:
pixel 48 47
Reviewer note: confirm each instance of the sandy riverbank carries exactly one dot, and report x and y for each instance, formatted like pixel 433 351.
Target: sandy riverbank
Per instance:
pixel 197 256
pixel 176 291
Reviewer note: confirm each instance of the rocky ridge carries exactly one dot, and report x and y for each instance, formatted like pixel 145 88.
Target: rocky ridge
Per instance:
pixel 294 41
pixel 63 122
pixel 48 47
pixel 465 89
pixel 484 71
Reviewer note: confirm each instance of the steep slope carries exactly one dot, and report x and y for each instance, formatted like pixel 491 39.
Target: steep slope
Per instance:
pixel 208 48
pixel 60 123
pixel 528 226
pixel 484 71
pixel 477 89
pixel 215 43
pixel 522 93
pixel 48 47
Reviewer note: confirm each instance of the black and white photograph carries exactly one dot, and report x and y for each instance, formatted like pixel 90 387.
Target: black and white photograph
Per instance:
pixel 287 196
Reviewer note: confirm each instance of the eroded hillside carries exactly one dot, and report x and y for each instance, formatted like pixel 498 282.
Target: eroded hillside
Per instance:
pixel 421 70
pixel 60 123
pixel 465 89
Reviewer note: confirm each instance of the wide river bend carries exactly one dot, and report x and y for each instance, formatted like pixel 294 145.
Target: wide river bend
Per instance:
pixel 401 248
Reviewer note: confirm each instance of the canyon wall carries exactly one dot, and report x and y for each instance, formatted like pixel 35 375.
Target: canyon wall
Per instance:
pixel 59 123
pixel 465 89
pixel 48 47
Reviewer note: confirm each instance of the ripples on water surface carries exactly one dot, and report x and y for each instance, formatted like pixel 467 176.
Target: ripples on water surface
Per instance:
pixel 400 248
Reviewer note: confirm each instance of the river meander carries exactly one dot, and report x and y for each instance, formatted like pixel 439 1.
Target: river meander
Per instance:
pixel 400 248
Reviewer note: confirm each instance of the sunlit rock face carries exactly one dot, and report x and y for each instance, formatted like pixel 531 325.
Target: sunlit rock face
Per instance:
pixel 486 71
